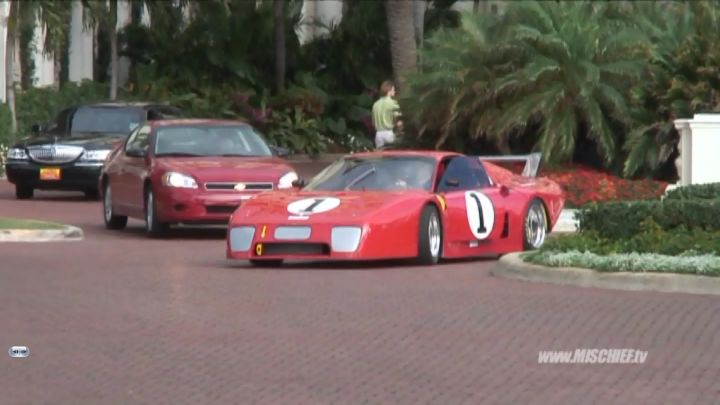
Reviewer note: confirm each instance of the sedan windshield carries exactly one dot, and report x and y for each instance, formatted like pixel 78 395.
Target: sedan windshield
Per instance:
pixel 210 140
pixel 388 173
pixel 106 120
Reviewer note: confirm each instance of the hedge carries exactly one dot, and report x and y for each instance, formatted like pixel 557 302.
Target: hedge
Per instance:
pixel 710 191
pixel 622 220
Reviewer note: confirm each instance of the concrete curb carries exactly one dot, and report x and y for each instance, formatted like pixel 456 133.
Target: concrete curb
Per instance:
pixel 513 267
pixel 67 234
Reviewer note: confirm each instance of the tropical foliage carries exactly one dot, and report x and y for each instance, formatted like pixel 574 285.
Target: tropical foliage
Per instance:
pixel 600 82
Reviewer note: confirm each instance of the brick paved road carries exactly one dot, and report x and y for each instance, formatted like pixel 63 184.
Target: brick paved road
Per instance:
pixel 119 318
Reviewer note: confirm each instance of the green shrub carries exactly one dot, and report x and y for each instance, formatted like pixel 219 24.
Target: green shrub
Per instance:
pixel 652 239
pixel 709 191
pixel 622 220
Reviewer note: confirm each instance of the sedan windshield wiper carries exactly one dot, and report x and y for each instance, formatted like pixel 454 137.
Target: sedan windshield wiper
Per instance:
pixel 178 154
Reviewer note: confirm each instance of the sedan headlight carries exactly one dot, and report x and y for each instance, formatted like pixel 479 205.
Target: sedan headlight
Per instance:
pixel 287 179
pixel 95 155
pixel 175 179
pixel 16 154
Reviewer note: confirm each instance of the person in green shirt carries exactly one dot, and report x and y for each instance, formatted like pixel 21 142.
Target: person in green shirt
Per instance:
pixel 385 113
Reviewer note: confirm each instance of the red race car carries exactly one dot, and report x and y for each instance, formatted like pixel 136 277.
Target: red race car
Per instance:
pixel 399 204
pixel 188 171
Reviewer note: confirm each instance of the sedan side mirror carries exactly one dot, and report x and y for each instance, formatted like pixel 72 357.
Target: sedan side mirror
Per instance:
pixel 279 151
pixel 139 153
pixel 37 129
pixel 299 183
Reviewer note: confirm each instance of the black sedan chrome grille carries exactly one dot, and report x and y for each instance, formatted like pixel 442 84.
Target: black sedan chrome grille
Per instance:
pixel 54 153
pixel 239 186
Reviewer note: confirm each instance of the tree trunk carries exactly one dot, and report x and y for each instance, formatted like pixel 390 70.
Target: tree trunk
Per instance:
pixel 279 24
pixel 113 50
pixel 419 21
pixel 401 28
pixel 476 6
pixel 11 43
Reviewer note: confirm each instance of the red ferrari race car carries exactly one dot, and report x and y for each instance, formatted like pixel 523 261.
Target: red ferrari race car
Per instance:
pixel 188 171
pixel 399 204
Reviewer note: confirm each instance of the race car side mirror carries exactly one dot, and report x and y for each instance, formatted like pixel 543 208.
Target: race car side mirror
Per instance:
pixel 299 183
pixel 504 190
pixel 452 182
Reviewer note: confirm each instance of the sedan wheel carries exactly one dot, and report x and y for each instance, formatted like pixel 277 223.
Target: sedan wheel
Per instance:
pixel 153 226
pixel 112 221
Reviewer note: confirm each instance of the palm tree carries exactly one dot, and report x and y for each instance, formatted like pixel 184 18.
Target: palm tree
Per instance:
pixel 561 67
pixel 400 20
pixel 104 14
pixel 279 39
pixel 54 17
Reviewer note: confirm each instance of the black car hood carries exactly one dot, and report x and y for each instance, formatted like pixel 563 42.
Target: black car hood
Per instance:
pixel 87 141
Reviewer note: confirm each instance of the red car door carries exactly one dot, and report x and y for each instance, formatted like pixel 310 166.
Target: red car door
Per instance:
pixel 474 211
pixel 132 171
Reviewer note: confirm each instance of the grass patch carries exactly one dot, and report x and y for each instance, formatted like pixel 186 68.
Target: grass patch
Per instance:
pixel 687 263
pixel 16 223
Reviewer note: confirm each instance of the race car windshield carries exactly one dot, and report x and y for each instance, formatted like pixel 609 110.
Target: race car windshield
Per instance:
pixel 203 140
pixel 386 173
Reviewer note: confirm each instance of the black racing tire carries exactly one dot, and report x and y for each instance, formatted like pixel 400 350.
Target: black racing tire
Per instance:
pixel 266 262
pixel 112 221
pixel 535 225
pixel 23 192
pixel 153 226
pixel 430 236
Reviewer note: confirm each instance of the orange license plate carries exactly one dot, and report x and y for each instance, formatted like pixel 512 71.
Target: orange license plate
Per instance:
pixel 49 173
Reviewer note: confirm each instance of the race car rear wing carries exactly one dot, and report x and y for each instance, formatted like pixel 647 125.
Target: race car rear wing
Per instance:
pixel 532 162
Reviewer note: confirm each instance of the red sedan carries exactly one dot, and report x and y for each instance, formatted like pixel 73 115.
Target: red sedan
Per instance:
pixel 188 171
pixel 399 204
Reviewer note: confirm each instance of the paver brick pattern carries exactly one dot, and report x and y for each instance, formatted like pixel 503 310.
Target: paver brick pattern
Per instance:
pixel 119 318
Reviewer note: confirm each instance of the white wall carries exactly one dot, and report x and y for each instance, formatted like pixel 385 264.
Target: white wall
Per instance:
pixel 3 38
pixel 81 54
pixel 44 74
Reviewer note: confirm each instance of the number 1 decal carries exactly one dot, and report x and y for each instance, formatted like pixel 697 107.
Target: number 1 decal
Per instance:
pixel 480 214
pixel 315 205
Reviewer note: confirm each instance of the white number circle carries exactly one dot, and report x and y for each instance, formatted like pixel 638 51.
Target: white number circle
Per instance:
pixel 313 205
pixel 480 214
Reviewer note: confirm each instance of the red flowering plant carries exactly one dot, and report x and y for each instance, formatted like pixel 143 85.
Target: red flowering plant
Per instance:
pixel 583 185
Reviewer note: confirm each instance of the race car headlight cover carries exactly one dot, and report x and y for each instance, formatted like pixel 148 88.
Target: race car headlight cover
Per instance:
pixel 345 239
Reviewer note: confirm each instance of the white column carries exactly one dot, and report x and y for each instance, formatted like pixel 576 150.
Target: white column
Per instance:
pixel 3 39
pixel 699 148
pixel 44 74
pixel 81 56
pixel 682 163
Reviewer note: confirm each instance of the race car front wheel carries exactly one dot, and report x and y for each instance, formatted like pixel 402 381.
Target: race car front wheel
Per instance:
pixel 430 236
pixel 535 228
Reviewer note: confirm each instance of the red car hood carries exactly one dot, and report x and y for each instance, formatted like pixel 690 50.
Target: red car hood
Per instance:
pixel 247 169
pixel 347 205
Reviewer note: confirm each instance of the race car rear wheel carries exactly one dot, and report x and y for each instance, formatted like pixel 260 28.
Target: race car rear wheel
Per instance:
pixel 266 263
pixel 535 225
pixel 430 237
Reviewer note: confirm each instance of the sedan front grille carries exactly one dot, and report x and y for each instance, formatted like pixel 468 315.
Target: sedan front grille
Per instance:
pixel 239 186
pixel 55 153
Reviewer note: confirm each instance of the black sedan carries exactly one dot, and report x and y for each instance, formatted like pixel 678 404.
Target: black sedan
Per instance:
pixel 69 153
